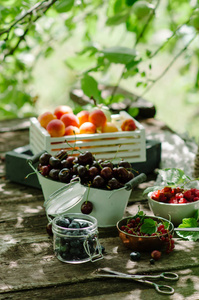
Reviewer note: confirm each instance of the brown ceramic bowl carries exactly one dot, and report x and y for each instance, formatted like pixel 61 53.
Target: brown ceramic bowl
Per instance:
pixel 142 243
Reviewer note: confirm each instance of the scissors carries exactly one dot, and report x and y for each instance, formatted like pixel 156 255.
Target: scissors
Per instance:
pixel 163 289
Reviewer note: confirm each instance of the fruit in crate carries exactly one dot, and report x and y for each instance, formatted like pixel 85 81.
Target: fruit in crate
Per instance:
pixel 83 116
pixel 87 128
pixel 71 130
pixel 128 125
pixel 70 119
pixel 98 120
pixel 97 117
pixel 94 173
pixel 109 127
pixel 45 118
pixel 56 128
pixel 61 110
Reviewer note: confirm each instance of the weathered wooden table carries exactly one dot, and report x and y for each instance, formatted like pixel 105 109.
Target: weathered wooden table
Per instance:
pixel 29 268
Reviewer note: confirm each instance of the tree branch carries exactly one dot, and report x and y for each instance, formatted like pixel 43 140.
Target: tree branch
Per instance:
pixel 40 6
pixel 136 42
pixel 169 66
pixel 164 44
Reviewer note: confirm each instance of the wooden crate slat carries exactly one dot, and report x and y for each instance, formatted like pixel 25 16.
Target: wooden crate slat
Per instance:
pixel 103 144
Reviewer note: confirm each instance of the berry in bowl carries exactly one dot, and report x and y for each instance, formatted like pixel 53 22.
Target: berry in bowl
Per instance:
pixel 174 203
pixel 146 233
pixel 175 197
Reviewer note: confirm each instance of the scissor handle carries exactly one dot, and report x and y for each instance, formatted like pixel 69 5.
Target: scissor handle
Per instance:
pixel 164 289
pixel 169 276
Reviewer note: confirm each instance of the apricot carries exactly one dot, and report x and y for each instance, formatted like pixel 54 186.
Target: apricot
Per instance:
pixel 61 110
pixel 70 119
pixel 56 128
pixel 45 118
pixel 71 130
pixel 83 116
pixel 87 128
pixel 109 127
pixel 97 117
pixel 128 125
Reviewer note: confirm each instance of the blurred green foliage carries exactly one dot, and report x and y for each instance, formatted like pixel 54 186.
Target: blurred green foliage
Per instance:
pixel 30 29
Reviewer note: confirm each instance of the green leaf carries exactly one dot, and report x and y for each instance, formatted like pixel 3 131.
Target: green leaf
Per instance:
pixel 149 226
pixel 133 111
pixel 90 87
pixel 174 176
pixel 114 99
pixel 117 19
pixel 130 2
pixel 64 5
pixel 139 83
pixel 148 52
pixel 80 63
pixel 189 235
pixel 119 55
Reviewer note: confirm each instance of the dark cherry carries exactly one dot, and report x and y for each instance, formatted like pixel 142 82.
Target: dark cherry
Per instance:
pixel 100 161
pixel 44 158
pixel 106 173
pixel 130 175
pixel 74 169
pixel 82 171
pixel 65 164
pixel 54 174
pixel 93 171
pixel 85 158
pixel 98 182
pixel 55 162
pixel 96 164
pixel 70 161
pixel 115 172
pixel 62 154
pixel 114 184
pixel 107 163
pixel 44 170
pixel 125 164
pixel 64 175
pixel 87 207
pixel 75 161
pixel 122 174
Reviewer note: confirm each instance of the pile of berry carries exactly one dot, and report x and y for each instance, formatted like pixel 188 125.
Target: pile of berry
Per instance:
pixel 137 226
pixel 175 195
pixel 94 173
pixel 69 243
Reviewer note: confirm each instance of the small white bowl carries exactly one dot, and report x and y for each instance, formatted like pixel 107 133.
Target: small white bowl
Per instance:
pixel 173 212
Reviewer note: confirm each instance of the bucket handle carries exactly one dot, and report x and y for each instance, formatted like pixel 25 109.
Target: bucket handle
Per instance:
pixel 34 159
pixel 135 181
pixel 131 184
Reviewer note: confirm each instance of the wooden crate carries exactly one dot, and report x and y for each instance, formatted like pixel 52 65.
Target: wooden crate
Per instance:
pixel 114 146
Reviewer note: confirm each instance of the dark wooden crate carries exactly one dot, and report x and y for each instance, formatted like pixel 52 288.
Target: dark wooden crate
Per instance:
pixel 17 167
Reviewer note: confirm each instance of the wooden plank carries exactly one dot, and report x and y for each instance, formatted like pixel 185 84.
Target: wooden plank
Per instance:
pixel 31 264
pixel 27 260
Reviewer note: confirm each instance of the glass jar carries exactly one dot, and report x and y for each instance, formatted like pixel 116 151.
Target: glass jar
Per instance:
pixel 75 238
